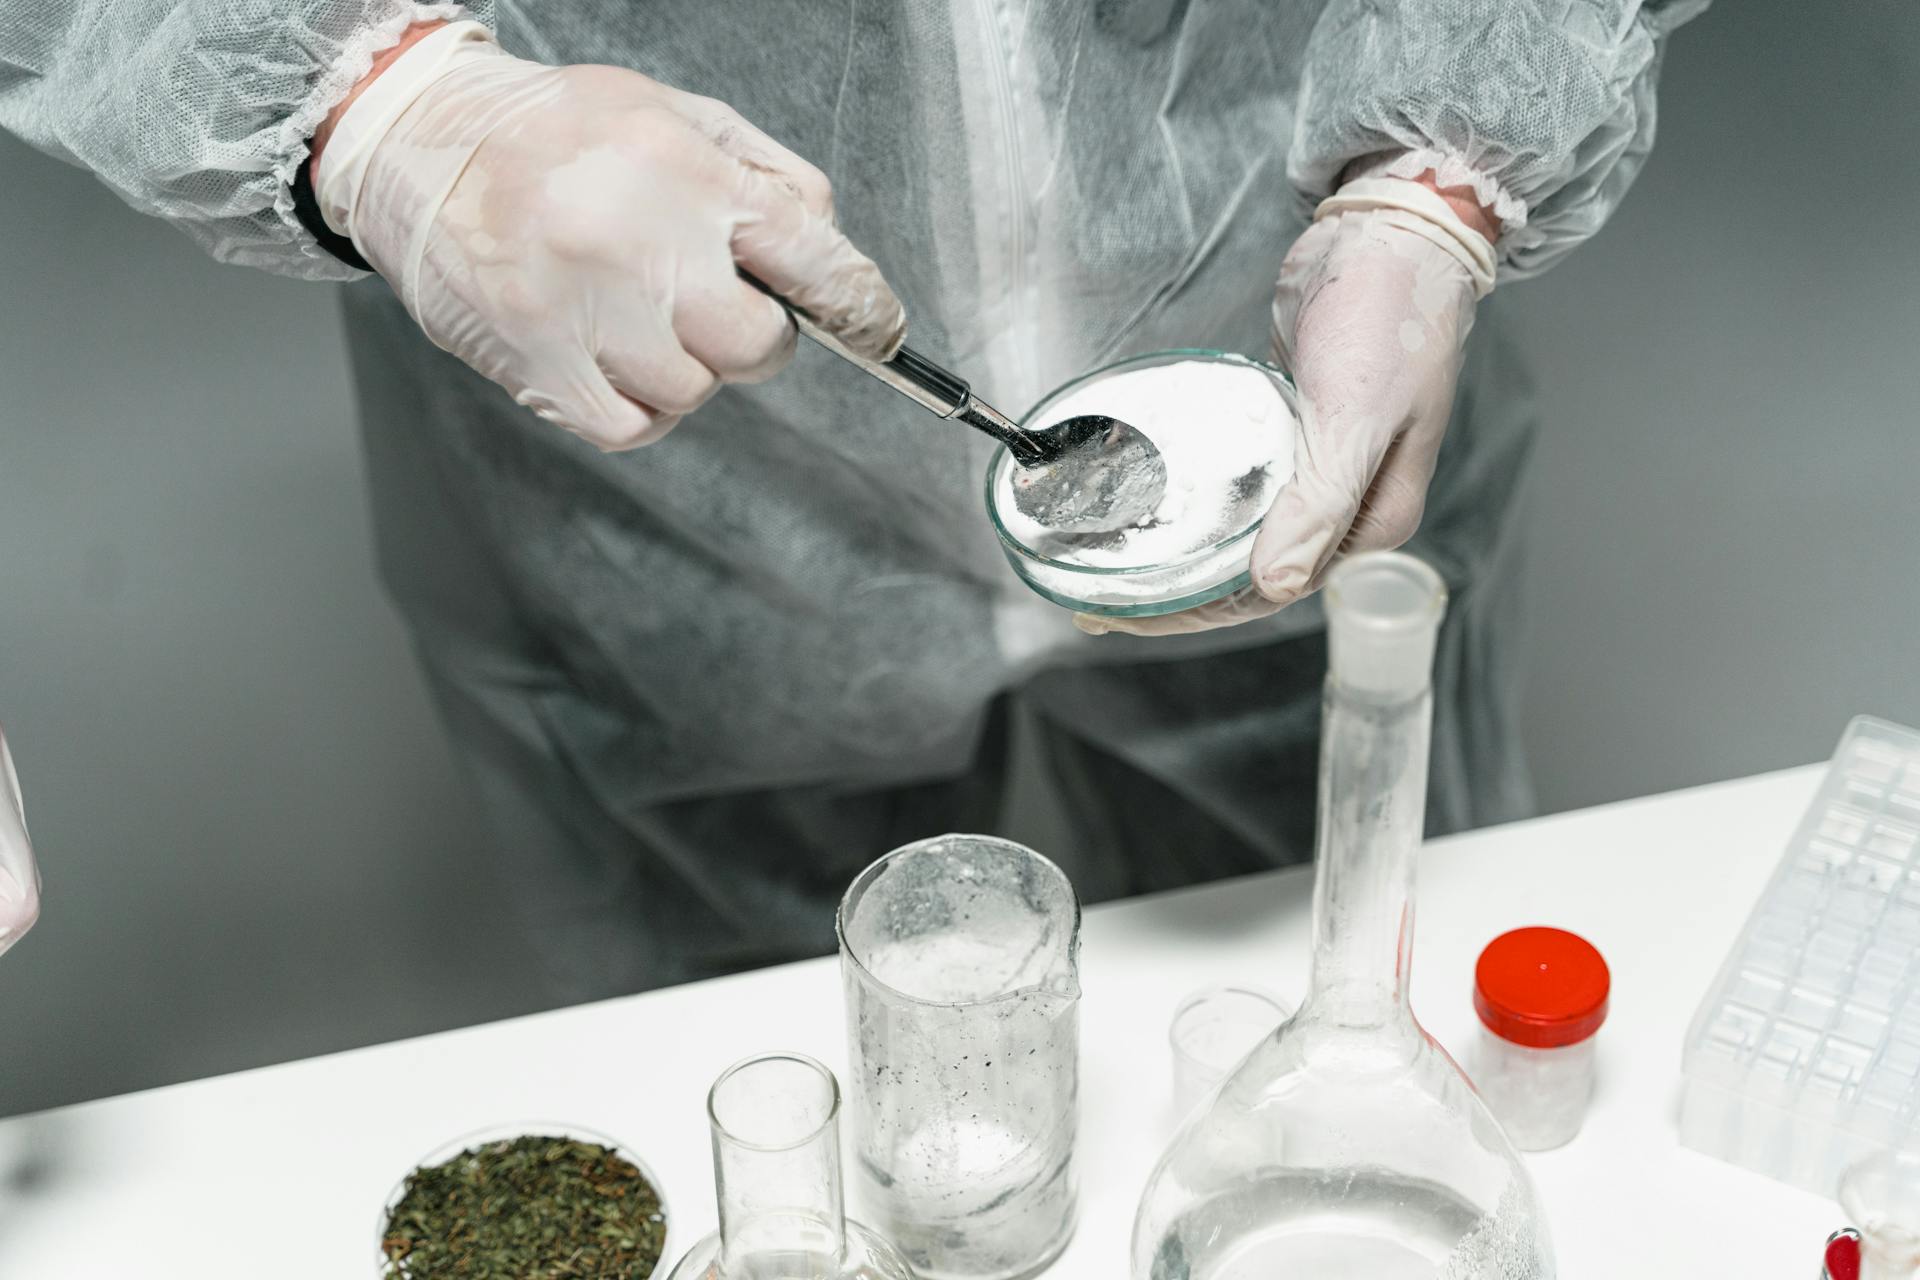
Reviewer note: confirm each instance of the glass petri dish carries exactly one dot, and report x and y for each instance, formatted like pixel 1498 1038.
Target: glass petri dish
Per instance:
pixel 505 1133
pixel 1196 574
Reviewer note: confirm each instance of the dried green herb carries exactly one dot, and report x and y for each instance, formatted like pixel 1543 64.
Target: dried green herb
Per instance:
pixel 529 1208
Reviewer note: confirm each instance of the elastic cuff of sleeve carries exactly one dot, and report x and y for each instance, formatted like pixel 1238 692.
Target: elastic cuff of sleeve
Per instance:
pixel 306 207
pixel 1450 170
pixel 1431 218
pixel 333 84
pixel 343 165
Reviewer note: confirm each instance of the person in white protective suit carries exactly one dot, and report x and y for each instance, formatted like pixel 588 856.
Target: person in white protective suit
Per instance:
pixel 701 684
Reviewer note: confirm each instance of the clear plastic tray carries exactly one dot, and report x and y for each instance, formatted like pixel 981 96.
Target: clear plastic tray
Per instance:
pixel 1805 1053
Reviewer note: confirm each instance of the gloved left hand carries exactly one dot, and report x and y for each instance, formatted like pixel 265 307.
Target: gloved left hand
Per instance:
pixel 19 878
pixel 1370 317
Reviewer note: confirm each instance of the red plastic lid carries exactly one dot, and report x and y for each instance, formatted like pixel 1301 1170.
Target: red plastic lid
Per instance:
pixel 1542 988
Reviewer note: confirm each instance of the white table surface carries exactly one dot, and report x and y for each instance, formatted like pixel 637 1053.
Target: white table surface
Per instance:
pixel 280 1171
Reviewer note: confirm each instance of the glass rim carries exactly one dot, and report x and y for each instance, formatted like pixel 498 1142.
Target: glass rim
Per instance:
pixel 1195 1000
pixel 1893 1169
pixel 1169 355
pixel 864 881
pixel 1412 568
pixel 819 1069
pixel 1144 608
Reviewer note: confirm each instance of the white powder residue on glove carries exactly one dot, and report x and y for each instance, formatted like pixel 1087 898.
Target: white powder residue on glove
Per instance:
pixel 1227 438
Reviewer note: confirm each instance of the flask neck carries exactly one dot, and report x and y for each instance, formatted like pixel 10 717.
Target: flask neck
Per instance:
pixel 1372 808
pixel 776 1162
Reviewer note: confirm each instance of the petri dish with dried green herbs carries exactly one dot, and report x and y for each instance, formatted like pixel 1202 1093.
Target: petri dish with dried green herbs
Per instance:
pixel 558 1204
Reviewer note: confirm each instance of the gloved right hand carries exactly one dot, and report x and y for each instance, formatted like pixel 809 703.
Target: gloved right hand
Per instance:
pixel 573 233
pixel 19 878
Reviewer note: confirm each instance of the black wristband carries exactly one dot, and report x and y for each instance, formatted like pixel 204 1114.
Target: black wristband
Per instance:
pixel 306 207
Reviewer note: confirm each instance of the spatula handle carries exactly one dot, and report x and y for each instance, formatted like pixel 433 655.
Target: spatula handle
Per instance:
pixel 908 372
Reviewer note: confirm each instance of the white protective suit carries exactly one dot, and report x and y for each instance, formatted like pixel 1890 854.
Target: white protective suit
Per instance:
pixel 703 683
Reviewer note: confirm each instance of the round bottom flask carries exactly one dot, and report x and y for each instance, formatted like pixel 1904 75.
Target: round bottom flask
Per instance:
pixel 1348 1144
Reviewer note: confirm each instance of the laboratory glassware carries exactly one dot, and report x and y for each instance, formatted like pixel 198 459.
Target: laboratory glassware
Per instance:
pixel 387 1268
pixel 1805 1052
pixel 776 1173
pixel 1212 1032
pixel 960 959
pixel 1218 568
pixel 1542 996
pixel 1881 1194
pixel 1348 1144
pixel 1087 473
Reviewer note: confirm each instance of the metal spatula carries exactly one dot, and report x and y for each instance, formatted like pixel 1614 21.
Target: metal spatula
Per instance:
pixel 1086 474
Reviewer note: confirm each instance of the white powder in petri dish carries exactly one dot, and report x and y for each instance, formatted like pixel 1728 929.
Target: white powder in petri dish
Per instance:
pixel 1226 436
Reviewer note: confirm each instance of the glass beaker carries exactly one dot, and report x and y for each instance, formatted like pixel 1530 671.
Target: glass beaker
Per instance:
pixel 1349 1144
pixel 1212 1032
pixel 1881 1194
pixel 776 1173
pixel 960 960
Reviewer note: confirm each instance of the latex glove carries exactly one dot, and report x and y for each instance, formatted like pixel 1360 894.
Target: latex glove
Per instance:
pixel 19 878
pixel 572 233
pixel 1370 318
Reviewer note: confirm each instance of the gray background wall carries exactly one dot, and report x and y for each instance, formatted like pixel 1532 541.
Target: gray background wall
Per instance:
pixel 254 842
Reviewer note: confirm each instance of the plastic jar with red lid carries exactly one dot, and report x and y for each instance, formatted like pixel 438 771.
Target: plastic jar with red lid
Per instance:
pixel 1541 995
